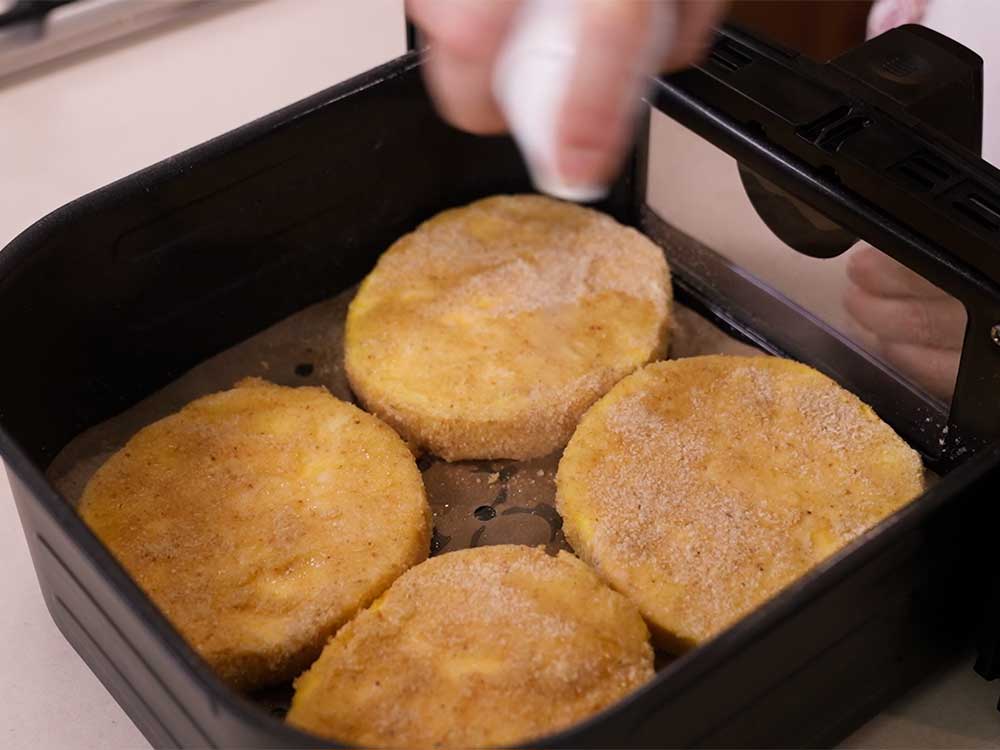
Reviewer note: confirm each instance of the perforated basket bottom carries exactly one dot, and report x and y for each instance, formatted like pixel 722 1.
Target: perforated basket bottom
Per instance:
pixel 473 502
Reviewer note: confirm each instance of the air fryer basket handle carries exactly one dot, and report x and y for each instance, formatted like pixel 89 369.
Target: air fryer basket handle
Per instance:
pixel 850 138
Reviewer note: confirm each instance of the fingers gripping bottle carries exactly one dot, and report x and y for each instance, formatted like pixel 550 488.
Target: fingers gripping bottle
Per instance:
pixel 533 74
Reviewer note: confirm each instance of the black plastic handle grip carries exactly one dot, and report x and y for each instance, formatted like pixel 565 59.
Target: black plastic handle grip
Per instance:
pixel 852 139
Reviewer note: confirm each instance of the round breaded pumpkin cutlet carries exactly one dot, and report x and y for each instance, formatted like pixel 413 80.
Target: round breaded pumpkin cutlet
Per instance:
pixel 701 487
pixel 476 648
pixel 259 520
pixel 489 330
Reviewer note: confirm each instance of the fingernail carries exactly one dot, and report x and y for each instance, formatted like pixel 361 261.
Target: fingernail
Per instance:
pixel 583 165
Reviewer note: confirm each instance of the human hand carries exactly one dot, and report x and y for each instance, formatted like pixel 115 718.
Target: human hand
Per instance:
pixel 594 125
pixel 916 326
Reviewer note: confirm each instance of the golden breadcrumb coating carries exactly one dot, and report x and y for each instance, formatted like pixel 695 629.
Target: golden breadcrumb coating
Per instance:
pixel 481 647
pixel 489 330
pixel 700 487
pixel 260 519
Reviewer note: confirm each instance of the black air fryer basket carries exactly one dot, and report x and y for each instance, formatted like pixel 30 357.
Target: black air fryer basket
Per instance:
pixel 117 294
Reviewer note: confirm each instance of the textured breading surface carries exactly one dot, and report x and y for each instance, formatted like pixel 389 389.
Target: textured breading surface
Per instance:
pixel 700 487
pixel 489 330
pixel 480 647
pixel 260 519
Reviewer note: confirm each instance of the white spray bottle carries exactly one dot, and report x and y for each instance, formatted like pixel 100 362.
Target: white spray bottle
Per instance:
pixel 533 73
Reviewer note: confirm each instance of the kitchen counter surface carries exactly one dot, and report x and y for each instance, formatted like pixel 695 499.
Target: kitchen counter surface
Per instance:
pixel 78 124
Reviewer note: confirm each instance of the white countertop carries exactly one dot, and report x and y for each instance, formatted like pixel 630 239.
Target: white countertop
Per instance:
pixel 77 125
